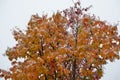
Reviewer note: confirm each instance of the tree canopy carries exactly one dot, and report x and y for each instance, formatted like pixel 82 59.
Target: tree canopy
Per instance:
pixel 69 45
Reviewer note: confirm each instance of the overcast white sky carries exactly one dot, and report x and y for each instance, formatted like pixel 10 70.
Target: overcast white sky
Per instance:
pixel 17 13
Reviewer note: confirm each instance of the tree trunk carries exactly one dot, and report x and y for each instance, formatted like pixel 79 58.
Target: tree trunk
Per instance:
pixel 74 70
pixel 45 77
pixel 55 78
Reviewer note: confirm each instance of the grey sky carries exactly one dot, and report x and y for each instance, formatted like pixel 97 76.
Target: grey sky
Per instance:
pixel 17 13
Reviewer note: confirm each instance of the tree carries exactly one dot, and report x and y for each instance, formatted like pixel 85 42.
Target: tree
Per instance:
pixel 69 45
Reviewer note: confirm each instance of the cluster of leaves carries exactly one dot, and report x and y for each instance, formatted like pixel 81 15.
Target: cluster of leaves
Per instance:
pixel 69 45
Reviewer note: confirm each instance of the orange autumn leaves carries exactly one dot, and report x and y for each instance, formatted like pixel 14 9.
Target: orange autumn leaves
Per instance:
pixel 64 46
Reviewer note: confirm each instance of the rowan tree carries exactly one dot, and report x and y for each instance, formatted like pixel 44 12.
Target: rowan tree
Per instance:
pixel 69 45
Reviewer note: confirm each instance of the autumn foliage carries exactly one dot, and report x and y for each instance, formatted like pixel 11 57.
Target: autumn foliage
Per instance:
pixel 69 45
